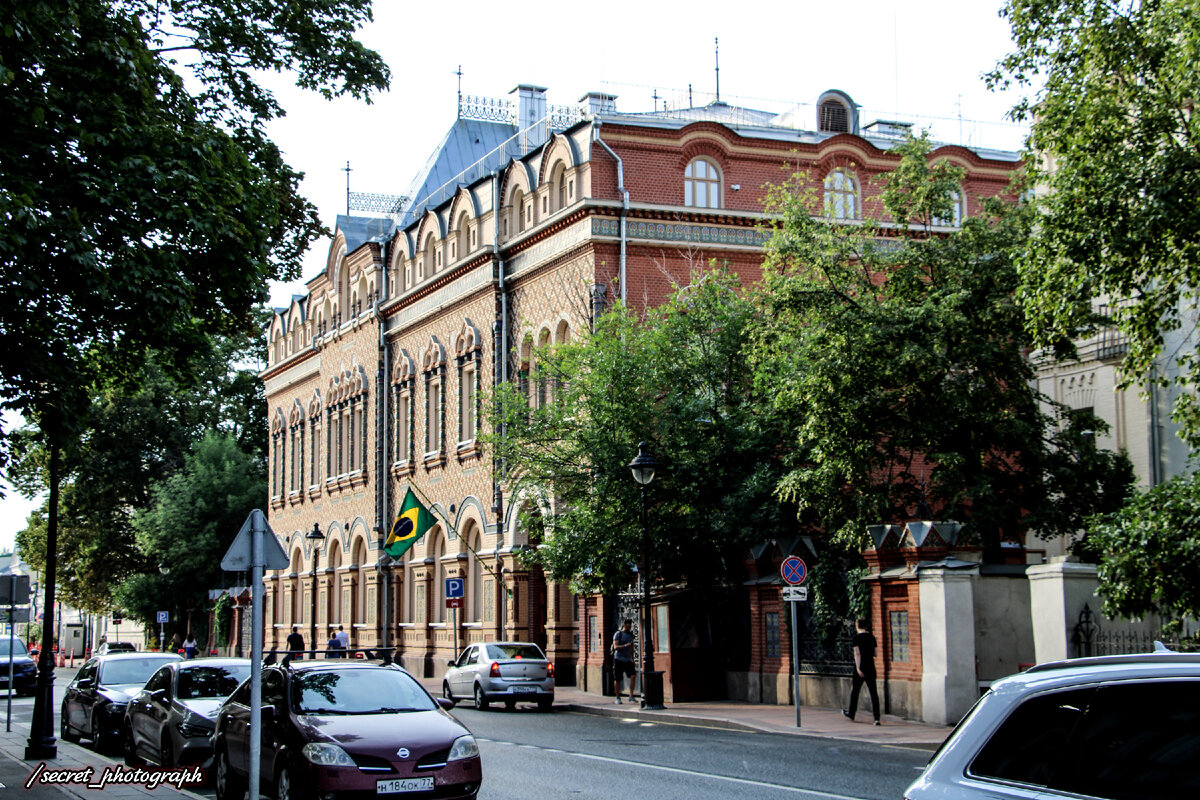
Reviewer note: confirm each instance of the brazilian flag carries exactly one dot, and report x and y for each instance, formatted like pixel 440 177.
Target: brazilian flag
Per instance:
pixel 410 525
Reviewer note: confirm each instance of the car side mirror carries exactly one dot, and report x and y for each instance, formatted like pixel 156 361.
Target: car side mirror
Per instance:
pixel 452 663
pixel 84 683
pixel 445 702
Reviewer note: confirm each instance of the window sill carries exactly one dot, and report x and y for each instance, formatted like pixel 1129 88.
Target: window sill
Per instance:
pixel 468 451
pixel 402 469
pixel 434 461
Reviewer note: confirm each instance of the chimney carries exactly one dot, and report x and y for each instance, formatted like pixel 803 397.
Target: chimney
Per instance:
pixel 599 103
pixel 531 115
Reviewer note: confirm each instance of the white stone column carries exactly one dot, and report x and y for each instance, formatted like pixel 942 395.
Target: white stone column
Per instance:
pixel 949 685
pixel 1058 591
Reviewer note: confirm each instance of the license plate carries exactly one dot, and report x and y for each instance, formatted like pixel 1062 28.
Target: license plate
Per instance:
pixel 398 785
pixel 524 689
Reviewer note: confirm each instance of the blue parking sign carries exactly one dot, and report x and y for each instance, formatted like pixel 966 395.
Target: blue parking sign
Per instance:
pixel 454 588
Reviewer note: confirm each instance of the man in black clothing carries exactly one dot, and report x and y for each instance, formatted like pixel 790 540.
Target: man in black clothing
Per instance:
pixel 864 669
pixel 295 644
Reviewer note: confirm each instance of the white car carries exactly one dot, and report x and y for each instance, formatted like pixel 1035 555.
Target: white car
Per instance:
pixel 1115 727
pixel 501 672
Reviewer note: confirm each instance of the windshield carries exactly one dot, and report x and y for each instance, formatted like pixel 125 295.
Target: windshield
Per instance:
pixel 18 647
pixel 514 651
pixel 130 670
pixel 210 681
pixel 358 691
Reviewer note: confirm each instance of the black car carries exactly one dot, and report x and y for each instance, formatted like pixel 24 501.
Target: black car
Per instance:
pixel 169 722
pixel 24 668
pixel 347 728
pixel 94 705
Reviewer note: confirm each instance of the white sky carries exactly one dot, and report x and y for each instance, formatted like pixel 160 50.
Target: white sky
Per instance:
pixel 919 57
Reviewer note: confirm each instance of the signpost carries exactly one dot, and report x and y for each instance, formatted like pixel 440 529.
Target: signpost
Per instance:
pixel 794 572
pixel 254 548
pixel 163 618
pixel 455 590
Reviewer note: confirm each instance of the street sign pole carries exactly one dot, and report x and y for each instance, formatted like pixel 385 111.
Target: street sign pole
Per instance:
pixel 258 528
pixel 796 657
pixel 12 626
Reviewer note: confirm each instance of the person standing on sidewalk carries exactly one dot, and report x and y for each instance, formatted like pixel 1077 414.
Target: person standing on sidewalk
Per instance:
pixel 295 644
pixel 622 649
pixel 190 648
pixel 864 670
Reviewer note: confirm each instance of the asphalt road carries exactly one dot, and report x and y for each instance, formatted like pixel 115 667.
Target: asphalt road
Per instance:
pixel 531 755
pixel 527 754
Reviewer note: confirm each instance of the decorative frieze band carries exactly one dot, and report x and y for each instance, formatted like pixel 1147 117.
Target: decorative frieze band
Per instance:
pixel 673 232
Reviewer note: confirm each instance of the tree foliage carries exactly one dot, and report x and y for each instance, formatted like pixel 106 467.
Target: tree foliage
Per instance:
pixel 190 522
pixel 678 380
pixel 897 358
pixel 1149 554
pixel 141 211
pixel 1119 158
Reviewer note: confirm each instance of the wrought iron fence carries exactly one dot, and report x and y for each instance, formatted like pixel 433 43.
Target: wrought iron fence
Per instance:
pixel 825 655
pixel 1089 639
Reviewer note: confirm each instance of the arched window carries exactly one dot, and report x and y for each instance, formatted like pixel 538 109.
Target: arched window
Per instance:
pixel 439 581
pixel 702 184
pixel 841 195
pixel 460 237
pixel 428 264
pixel 956 212
pixel 833 116
pixel 474 605
pixel 518 210
pixel 558 187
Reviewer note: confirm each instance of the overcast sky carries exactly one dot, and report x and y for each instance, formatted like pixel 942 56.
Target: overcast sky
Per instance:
pixel 920 58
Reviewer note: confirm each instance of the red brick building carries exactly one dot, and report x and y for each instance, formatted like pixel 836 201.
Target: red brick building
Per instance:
pixel 528 220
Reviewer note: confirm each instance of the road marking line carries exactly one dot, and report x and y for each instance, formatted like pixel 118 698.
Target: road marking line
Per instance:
pixel 677 771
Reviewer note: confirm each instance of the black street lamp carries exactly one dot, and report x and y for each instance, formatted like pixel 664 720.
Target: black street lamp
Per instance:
pixel 315 537
pixel 164 569
pixel 643 467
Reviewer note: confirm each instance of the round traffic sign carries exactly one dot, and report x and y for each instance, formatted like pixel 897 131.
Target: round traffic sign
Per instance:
pixel 793 571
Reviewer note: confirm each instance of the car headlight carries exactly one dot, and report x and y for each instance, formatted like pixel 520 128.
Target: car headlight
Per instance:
pixel 327 755
pixel 194 726
pixel 463 747
pixel 115 710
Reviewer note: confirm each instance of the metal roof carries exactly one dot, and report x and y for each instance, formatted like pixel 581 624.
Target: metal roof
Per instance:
pixel 470 150
pixel 360 230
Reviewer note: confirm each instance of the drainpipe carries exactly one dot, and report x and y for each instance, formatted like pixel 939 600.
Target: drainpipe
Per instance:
pixel 384 472
pixel 624 200
pixel 499 376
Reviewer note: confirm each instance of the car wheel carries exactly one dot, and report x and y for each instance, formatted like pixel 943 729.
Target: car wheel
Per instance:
pixel 481 702
pixel 545 703
pixel 131 757
pixel 99 739
pixel 446 693
pixel 64 730
pixel 229 785
pixel 285 786
pixel 166 752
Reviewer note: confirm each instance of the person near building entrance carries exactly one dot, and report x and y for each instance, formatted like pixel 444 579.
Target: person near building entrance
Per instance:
pixel 343 637
pixel 190 648
pixel 622 649
pixel 295 643
pixel 333 647
pixel 864 670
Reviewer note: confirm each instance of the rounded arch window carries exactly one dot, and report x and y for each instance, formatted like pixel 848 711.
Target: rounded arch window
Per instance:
pixel 702 184
pixel 841 195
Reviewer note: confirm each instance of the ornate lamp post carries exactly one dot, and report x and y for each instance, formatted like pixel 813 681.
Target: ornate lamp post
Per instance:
pixel 315 537
pixel 643 467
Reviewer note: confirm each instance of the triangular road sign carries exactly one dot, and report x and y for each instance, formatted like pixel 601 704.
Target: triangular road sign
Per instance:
pixel 237 557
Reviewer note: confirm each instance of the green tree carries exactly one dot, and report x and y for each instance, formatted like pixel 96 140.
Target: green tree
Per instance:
pixel 1119 158
pixel 897 362
pixel 189 524
pixel 677 379
pixel 1149 554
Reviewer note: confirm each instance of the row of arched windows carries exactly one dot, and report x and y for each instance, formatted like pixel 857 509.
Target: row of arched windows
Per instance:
pixel 843 199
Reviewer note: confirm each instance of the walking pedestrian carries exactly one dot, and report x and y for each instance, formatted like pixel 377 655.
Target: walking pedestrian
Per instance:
pixel 343 637
pixel 622 650
pixel 333 647
pixel 864 670
pixel 295 644
pixel 190 648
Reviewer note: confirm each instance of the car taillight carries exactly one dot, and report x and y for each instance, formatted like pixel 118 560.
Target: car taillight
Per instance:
pixel 495 673
pixel 549 670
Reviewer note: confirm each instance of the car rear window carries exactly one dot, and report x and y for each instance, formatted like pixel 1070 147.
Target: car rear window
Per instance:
pixel 210 681
pixel 358 691
pixel 514 651
pixel 1126 741
pixel 129 670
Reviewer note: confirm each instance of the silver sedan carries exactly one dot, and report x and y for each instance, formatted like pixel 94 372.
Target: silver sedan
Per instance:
pixel 508 672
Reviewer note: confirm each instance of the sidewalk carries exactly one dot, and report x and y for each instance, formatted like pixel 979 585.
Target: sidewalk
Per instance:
pixel 15 771
pixel 752 717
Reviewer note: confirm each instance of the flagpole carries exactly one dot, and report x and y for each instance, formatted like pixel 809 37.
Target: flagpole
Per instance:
pixel 430 505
